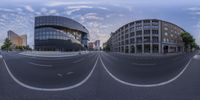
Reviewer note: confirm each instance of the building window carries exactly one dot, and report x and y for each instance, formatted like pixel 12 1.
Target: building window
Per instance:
pixel 167 40
pixel 122 37
pixel 132 34
pixel 122 49
pixel 139 48
pixel 146 32
pixel 155 32
pixel 138 22
pixel 166 33
pixel 132 49
pixel 164 40
pixel 155 21
pixel 165 28
pixel 132 23
pixel 147 48
pixel 155 39
pixel 132 29
pixel 122 42
pixel 146 39
pixel 126 42
pixel 146 21
pixel 138 27
pixel 132 40
pixel 172 35
pixel 138 33
pixel 127 49
pixel 139 39
pixel 126 36
pixel 155 48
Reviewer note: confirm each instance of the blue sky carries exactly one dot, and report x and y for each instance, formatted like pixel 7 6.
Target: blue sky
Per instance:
pixel 99 17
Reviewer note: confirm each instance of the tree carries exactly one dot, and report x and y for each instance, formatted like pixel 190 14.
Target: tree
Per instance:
pixel 189 41
pixel 7 45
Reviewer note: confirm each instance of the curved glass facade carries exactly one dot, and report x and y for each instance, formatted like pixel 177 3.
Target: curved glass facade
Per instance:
pixel 60 34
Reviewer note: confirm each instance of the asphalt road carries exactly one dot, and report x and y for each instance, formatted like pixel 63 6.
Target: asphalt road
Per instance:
pixel 50 72
pixel 145 69
pixel 100 85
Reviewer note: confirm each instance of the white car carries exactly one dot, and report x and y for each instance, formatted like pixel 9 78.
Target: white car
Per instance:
pixel 197 57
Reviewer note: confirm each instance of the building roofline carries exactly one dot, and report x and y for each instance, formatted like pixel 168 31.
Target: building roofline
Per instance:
pixel 150 19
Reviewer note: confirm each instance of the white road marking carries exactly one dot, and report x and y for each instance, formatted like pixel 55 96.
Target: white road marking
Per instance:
pixel 69 73
pixel 60 75
pixel 52 89
pixel 146 85
pixel 40 64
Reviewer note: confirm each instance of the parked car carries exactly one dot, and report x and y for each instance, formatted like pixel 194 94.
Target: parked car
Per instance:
pixel 197 57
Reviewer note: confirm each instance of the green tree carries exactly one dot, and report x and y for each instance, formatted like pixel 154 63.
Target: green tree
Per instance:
pixel 7 45
pixel 189 41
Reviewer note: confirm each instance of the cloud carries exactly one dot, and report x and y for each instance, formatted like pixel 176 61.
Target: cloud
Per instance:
pixel 38 13
pixel 6 10
pixel 53 11
pixel 29 8
pixel 194 8
pixel 44 10
pixel 103 8
pixel 79 7
pixel 69 12
pixel 19 9
pixel 61 3
pixel 92 16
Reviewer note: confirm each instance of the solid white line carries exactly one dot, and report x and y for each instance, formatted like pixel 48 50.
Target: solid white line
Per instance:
pixel 50 89
pixel 146 85
pixel 40 64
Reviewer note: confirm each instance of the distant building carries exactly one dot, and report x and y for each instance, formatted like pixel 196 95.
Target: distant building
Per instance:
pixel 16 39
pixel 97 45
pixel 107 45
pixel 91 45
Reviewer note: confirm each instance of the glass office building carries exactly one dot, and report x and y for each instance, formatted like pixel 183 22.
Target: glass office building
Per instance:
pixel 56 33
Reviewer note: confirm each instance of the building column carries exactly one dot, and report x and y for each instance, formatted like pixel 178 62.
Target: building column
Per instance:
pixel 142 47
pixel 135 48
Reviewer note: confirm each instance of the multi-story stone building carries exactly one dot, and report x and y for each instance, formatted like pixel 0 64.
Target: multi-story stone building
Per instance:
pixel 147 36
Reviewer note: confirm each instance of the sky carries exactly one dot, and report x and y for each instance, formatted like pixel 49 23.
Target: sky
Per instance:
pixel 100 17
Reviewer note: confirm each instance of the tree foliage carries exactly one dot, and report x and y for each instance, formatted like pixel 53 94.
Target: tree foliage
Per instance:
pixel 189 41
pixel 6 45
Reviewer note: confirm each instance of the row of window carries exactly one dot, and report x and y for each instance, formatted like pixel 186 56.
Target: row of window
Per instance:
pixel 138 49
pixel 139 40
pixel 166 40
pixel 138 33
pixel 52 37
pixel 132 29
pixel 49 30
pixel 146 32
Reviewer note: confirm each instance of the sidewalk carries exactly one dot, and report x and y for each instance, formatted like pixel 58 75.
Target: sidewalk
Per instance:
pixel 52 53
